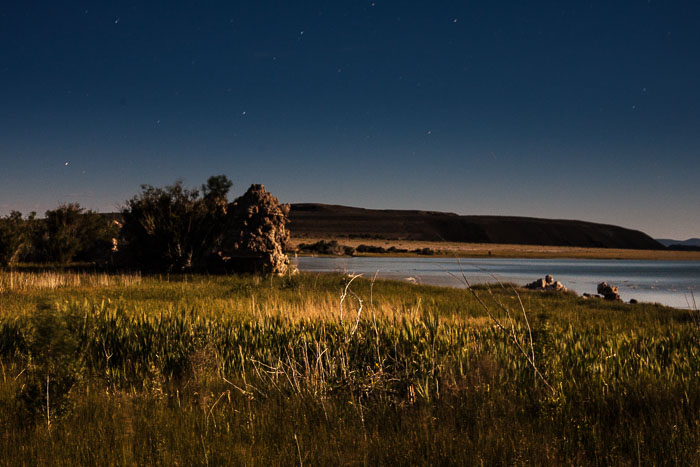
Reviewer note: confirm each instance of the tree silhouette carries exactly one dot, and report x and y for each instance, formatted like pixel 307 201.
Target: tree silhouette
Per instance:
pixel 174 228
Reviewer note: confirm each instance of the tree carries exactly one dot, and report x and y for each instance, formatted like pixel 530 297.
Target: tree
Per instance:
pixel 216 192
pixel 174 228
pixel 59 239
pixel 98 233
pixel 69 232
pixel 13 237
pixel 216 204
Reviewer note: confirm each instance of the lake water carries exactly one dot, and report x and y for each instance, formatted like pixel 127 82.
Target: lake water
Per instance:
pixel 666 282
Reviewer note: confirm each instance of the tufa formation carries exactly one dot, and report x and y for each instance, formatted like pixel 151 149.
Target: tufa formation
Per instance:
pixel 258 233
pixel 609 292
pixel 547 283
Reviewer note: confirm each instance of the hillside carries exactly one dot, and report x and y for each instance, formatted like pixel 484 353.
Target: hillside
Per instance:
pixel 321 220
pixel 691 242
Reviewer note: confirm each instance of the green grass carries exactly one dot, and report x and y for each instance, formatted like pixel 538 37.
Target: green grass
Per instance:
pixel 246 370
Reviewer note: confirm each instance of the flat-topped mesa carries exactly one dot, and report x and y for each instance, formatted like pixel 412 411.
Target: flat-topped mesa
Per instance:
pixel 333 221
pixel 547 283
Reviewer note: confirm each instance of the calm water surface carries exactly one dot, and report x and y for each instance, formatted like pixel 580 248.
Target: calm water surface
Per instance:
pixel 666 282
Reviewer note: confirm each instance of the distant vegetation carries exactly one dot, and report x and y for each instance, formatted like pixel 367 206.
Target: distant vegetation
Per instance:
pixel 162 229
pixel 334 248
pixel 67 233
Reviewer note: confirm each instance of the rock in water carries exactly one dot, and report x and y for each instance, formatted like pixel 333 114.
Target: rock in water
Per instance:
pixel 548 283
pixel 609 292
pixel 539 284
pixel 257 233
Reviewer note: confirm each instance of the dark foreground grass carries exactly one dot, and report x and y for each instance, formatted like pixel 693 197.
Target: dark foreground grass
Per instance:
pixel 243 370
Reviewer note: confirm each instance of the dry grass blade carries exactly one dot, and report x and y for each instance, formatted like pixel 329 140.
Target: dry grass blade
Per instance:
pixel 359 311
pixel 345 292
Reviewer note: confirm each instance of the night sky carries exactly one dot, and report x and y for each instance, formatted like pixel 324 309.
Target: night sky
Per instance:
pixel 578 110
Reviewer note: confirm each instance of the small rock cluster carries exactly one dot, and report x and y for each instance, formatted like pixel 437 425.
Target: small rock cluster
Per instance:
pixel 547 283
pixel 607 292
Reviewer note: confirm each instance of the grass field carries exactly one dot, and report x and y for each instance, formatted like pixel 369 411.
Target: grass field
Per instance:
pixel 476 250
pixel 199 370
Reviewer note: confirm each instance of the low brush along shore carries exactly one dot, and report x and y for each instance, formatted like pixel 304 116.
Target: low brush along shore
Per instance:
pixel 478 250
pixel 100 369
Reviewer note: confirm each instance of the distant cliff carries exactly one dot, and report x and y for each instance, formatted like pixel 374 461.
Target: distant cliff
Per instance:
pixel 322 220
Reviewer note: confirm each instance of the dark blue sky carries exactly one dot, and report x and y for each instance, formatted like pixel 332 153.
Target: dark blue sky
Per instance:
pixel 585 110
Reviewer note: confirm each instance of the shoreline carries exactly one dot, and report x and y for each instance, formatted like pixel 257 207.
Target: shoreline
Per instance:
pixel 489 250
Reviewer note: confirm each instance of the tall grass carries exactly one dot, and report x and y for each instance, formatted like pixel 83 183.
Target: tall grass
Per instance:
pixel 211 370
pixel 18 281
